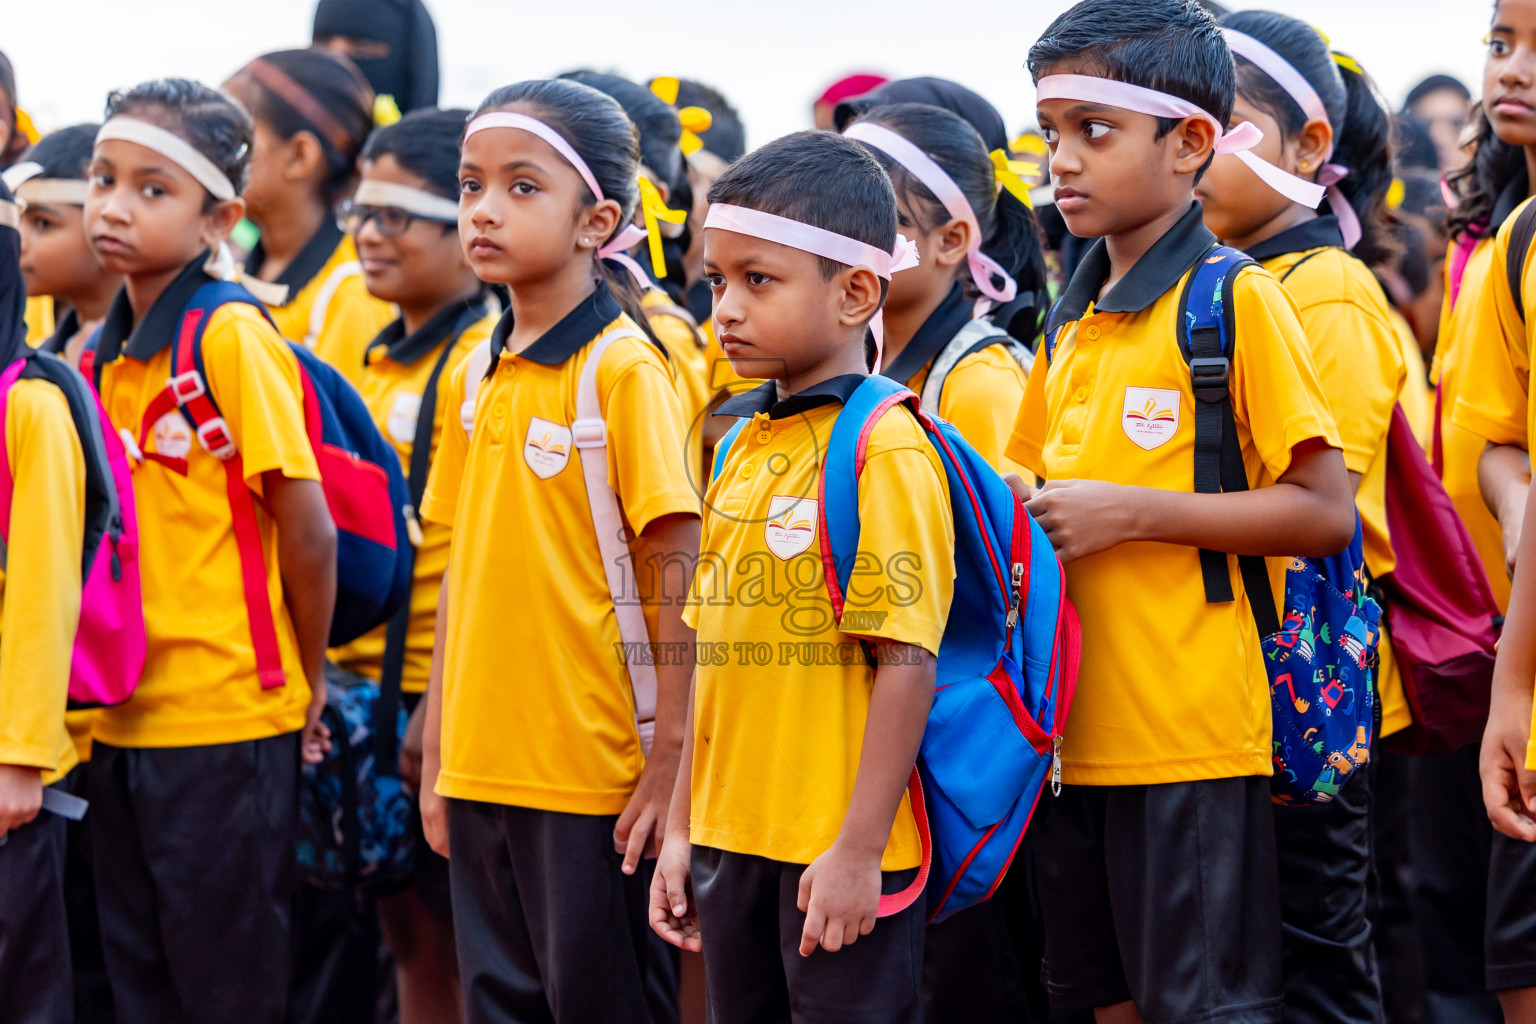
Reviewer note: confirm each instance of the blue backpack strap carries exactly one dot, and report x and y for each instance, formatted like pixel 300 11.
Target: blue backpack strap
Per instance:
pixel 1208 329
pixel 723 448
pixel 839 509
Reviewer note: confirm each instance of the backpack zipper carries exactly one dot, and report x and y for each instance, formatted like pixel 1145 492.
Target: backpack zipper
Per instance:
pixel 1018 598
pixel 1056 767
pixel 114 532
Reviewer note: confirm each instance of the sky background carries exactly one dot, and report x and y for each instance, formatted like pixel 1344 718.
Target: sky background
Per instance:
pixel 771 60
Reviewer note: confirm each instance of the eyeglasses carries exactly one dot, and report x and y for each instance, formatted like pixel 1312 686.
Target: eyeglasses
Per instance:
pixel 391 221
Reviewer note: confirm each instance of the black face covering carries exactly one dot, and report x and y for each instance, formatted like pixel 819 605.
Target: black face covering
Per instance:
pixel 935 92
pixel 409 71
pixel 13 291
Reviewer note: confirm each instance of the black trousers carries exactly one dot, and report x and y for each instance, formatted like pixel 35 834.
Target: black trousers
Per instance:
pixel 549 929
pixel 753 969
pixel 35 982
pixel 194 865
pixel 93 992
pixel 971 974
pixel 1324 855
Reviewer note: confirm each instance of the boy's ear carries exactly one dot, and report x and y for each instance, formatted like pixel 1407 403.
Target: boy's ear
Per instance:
pixel 220 221
pixel 1194 141
pixel 861 296
pixel 597 223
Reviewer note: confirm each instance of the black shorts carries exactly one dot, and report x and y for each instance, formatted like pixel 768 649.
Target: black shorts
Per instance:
pixel 1166 895
pixel 1510 931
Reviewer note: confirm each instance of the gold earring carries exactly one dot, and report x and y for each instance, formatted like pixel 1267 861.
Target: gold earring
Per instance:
pixel 1305 165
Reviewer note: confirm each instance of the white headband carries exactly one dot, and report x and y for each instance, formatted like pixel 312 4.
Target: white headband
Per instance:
pixel 62 191
pixel 403 197
pixel 171 146
pixel 10 215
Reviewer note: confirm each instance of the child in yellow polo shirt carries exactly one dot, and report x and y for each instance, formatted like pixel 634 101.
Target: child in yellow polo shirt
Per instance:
pixel 39 607
pixel 1315 114
pixel 313 111
pixel 1150 914
pixel 793 818
pixel 545 683
pixel 195 915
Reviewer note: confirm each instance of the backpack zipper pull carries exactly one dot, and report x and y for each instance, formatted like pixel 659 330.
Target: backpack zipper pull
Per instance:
pixel 1018 599
pixel 114 532
pixel 1056 767
pixel 412 526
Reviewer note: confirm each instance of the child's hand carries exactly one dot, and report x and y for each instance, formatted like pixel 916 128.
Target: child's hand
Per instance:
pixel 1509 789
pixel 840 895
pixel 410 749
pixel 1083 517
pixel 673 915
pixel 1022 489
pixel 434 818
pixel 21 796
pixel 638 831
pixel 315 741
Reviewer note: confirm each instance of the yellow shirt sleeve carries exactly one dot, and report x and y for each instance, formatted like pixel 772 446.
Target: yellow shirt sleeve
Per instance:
pixel 648 455
pixel 904 578
pixel 441 497
pixel 1026 445
pixel 42 578
pixel 1496 361
pixel 1276 393
pixel 352 321
pixel 1358 362
pixel 982 398
pixel 255 380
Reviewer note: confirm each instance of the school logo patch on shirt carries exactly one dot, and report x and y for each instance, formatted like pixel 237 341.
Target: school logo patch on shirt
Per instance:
pixel 791 525
pixel 401 422
pixel 1150 416
pixel 547 448
pixel 172 435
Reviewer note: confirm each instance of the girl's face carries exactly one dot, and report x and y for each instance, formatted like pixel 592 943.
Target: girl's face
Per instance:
pixel 941 250
pixel 421 266
pixel 1509 77
pixel 56 258
pixel 1236 202
pixel 279 167
pixel 524 213
pixel 144 215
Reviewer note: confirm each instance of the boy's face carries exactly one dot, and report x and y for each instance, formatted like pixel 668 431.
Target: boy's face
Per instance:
pixel 1509 78
pixel 775 315
pixel 1111 172
pixel 56 257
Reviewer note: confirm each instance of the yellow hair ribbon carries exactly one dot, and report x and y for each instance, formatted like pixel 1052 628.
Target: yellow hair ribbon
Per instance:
pixel 1396 193
pixel 664 88
pixel 1008 179
pixel 1349 63
pixel 653 208
pixel 1029 144
pixel 25 126
pixel 696 121
pixel 385 110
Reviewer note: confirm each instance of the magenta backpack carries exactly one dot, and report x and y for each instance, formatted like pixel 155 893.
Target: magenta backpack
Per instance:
pixel 109 643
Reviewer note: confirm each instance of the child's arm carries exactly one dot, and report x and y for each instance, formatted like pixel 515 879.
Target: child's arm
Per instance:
pixel 1308 512
pixel 840 890
pixel 1503 476
pixel 1509 786
pixel 673 915
pixel 306 557
pixel 638 830
pixel 434 808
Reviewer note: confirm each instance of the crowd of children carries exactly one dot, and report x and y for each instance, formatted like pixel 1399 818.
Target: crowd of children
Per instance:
pixel 645 740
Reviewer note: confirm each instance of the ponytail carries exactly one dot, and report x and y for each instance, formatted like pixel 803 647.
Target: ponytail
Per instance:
pixel 1364 145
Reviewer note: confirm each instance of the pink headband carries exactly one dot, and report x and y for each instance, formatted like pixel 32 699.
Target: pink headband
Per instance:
pixel 819 242
pixel 1297 190
pixel 615 247
pixel 984 269
pixel 1092 89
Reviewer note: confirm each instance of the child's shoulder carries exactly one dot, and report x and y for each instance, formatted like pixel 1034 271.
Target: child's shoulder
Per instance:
pixel 626 353
pixel 1331 275
pixel 896 430
pixel 238 330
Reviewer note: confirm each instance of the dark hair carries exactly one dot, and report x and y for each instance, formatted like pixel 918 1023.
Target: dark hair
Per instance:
pixel 65 153
pixel 1009 232
pixel 215 125
pixel 1172 46
pixel 1413 147
pixel 320 93
pixel 597 129
pixel 17 141
pixel 1434 83
pixel 727 136
pixel 934 92
pixel 661 135
pixel 425 143
pixel 1362 128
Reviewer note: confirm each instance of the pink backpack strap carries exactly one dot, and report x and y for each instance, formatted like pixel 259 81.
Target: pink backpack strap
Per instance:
pixel 8 380
pixel 1458 264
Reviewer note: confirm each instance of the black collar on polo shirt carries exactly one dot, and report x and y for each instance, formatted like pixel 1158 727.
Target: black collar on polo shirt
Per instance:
pixel 951 315
pixel 765 398
pixel 157 329
pixel 310 261
pixel 1156 273
pixel 448 323
pixel 1317 233
pixel 567 337
pixel 67 327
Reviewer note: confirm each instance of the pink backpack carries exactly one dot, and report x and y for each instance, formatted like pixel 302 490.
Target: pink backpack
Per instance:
pixel 109 643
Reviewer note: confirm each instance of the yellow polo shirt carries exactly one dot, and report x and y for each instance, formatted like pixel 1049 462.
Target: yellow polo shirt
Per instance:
pixel 40 585
pixel 352 317
pixel 1355 347
pixel 40 320
pixel 1171 688
pixel 200 685
pixel 782 694
pixel 688 359
pixel 537 706
pixel 392 386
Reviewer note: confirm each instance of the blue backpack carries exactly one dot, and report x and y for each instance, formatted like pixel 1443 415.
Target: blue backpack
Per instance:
pixel 1321 657
pixel 359 472
pixel 1007 664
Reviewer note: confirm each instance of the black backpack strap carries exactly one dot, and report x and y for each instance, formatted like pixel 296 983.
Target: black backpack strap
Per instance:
pixel 1299 262
pixel 1209 326
pixel 1520 237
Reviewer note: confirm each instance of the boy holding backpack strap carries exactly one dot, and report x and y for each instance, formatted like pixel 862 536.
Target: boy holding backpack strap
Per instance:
pixel 1156 865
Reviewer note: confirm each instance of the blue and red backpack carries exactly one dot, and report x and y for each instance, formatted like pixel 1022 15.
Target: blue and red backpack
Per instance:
pixel 359 473
pixel 1007 664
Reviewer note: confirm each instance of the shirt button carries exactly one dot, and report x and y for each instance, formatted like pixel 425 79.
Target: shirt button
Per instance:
pixel 498 410
pixel 1091 333
pixel 747 470
pixel 764 436
pixel 1081 394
